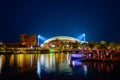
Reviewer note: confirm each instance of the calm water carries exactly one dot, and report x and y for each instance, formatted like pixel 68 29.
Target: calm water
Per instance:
pixel 54 66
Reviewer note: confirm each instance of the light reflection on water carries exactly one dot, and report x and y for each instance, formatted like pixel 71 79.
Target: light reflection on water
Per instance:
pixel 0 63
pixel 38 67
pixel 58 63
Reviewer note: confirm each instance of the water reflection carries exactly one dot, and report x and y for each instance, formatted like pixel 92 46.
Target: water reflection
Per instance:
pixel 0 63
pixel 101 66
pixel 38 67
pixel 47 62
pixel 57 63
pixel 85 70
pixel 53 62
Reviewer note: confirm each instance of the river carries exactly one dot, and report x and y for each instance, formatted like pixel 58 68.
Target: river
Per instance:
pixel 54 66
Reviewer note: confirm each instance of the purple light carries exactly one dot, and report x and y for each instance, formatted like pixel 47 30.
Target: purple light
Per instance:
pixel 77 55
pixel 89 55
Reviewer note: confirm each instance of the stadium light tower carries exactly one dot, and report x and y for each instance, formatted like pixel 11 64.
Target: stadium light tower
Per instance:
pixel 84 36
pixel 38 40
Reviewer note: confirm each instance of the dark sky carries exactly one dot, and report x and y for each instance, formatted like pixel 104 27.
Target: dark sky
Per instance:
pixel 99 19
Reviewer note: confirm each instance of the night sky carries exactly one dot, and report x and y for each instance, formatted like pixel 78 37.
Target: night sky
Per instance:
pixel 99 19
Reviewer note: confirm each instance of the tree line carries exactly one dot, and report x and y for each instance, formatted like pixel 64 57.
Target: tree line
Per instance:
pixel 30 40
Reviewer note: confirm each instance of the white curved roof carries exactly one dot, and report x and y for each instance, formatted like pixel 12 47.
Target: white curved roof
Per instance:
pixel 61 38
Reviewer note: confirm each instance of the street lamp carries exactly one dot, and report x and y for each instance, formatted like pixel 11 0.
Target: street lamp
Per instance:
pixel 38 39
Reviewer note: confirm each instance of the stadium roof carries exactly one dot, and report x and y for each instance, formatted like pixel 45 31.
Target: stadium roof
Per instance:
pixel 61 38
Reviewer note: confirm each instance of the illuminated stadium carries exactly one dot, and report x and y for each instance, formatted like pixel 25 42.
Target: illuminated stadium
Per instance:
pixel 63 38
pixel 57 41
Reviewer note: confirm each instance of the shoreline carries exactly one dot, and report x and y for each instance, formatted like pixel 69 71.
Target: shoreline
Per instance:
pixel 78 59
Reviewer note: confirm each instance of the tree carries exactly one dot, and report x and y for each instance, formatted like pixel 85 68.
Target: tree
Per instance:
pixel 28 40
pixel 118 46
pixel 112 45
pixel 94 44
pixel 103 44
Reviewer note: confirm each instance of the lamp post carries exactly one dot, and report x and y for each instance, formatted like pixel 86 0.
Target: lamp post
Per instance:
pixel 38 40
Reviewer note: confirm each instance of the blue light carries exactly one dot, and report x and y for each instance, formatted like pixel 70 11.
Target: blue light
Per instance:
pixel 40 39
pixel 80 37
pixel 83 34
pixel 39 36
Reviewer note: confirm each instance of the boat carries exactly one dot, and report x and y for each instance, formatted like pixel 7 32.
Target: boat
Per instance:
pixel 78 56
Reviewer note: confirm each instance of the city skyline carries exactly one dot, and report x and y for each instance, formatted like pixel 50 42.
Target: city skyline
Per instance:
pixel 49 18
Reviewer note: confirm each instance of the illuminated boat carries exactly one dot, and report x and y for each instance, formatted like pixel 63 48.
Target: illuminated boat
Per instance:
pixel 79 57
